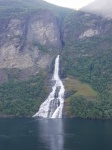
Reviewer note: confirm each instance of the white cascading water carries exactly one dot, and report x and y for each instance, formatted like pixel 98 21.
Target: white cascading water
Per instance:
pixel 52 107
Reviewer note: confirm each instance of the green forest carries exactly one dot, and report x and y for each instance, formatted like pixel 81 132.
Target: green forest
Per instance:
pixel 22 98
pixel 96 70
pixel 19 8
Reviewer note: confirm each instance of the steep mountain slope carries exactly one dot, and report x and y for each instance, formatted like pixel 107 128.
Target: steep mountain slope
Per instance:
pixel 30 39
pixel 18 8
pixel 87 57
pixel 31 35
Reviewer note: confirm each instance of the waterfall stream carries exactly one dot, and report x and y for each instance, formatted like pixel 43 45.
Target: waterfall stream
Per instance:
pixel 52 107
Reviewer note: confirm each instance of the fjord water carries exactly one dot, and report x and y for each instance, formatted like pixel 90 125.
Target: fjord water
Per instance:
pixel 52 107
pixel 55 134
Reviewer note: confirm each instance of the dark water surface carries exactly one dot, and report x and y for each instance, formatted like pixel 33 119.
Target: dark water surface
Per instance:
pixel 57 134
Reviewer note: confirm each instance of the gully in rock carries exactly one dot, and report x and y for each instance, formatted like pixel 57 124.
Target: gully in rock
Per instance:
pixel 52 107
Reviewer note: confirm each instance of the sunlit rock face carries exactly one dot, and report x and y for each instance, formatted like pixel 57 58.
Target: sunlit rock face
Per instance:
pixel 44 29
pixel 27 42
pixel 31 42
pixel 88 33
pixel 11 42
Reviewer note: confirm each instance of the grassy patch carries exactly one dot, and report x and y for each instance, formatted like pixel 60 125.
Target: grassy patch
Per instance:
pixel 84 102
pixel 79 88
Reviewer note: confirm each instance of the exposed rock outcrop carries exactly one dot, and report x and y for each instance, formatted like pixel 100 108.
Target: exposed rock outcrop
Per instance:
pixel 43 28
pixel 29 42
pixel 89 33
pixel 82 25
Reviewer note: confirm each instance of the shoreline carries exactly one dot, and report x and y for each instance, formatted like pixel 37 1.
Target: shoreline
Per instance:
pixel 14 116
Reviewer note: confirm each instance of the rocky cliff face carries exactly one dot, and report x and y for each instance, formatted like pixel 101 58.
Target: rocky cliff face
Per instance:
pixel 43 28
pixel 29 42
pixel 83 25
pixel 87 56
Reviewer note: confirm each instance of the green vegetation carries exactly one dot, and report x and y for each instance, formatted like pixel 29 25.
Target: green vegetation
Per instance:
pixel 16 8
pixel 22 98
pixel 83 102
pixel 88 60
pixel 79 89
pixel 93 65
pixel 40 47
pixel 86 65
pixel 83 108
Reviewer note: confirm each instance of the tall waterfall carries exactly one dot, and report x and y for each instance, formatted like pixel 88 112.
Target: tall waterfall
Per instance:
pixel 52 107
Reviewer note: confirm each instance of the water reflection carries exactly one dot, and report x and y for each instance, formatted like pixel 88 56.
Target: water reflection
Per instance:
pixel 51 133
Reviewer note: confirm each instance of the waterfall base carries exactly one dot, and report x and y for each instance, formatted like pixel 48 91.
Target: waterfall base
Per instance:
pixel 52 107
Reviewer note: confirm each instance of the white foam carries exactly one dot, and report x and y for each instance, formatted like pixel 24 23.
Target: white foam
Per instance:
pixel 52 107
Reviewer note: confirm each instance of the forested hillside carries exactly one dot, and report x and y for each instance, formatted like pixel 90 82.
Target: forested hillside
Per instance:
pixel 32 33
pixel 19 8
pixel 88 59
pixel 20 97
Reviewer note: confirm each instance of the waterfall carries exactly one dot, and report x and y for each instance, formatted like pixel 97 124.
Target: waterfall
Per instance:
pixel 52 107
